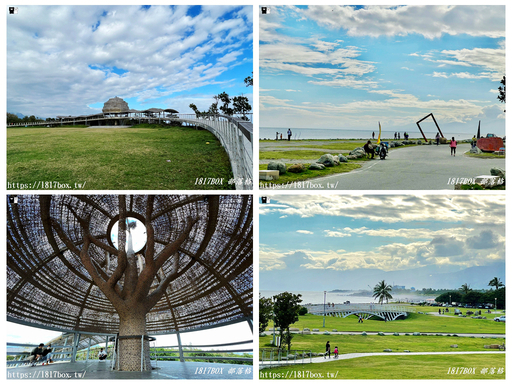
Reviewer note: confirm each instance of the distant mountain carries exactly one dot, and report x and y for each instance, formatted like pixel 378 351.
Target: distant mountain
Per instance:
pixel 433 276
pixel 20 115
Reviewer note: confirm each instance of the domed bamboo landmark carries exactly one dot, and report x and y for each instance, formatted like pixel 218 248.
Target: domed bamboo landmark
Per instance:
pixel 176 264
pixel 115 105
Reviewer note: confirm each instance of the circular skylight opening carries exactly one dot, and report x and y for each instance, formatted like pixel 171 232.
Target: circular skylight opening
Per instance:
pixel 135 229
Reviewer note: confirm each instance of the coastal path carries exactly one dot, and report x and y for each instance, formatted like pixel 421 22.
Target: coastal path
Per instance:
pixel 412 168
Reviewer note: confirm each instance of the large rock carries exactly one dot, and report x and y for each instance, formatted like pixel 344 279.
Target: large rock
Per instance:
pixel 296 168
pixel 388 350
pixel 500 172
pixel 316 166
pixel 351 157
pixel 327 160
pixel 475 150
pixel 342 158
pixel 454 346
pixel 277 165
pixel 358 152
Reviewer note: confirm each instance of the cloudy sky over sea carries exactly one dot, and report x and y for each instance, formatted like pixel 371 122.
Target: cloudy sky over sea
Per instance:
pixel 304 234
pixel 350 67
pixel 69 60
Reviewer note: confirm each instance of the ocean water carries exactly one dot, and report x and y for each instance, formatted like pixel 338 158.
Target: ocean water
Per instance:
pixel 317 297
pixel 321 133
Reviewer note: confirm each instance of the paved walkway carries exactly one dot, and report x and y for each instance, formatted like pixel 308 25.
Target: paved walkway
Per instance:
pixel 485 335
pixel 167 370
pixel 428 167
pixel 348 356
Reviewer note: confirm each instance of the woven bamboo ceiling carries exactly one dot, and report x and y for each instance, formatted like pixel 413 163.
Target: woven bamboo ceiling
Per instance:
pixel 48 285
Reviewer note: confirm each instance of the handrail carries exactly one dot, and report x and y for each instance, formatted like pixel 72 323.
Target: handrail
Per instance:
pixel 279 355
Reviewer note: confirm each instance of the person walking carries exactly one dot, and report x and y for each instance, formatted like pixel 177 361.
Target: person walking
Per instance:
pixel 327 350
pixel 453 146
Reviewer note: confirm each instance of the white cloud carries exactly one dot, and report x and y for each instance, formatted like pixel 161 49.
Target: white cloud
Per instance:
pixel 490 61
pixel 480 209
pixel 62 58
pixel 329 233
pixel 429 21
pixel 305 232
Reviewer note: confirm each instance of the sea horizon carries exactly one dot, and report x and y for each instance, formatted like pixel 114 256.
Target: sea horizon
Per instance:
pixel 363 134
pixel 317 297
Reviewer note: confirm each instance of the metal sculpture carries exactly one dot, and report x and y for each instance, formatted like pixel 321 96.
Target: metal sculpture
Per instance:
pixel 433 118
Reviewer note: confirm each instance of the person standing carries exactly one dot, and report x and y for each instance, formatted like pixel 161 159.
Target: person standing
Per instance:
pixel 473 142
pixel 373 135
pixel 289 134
pixel 453 146
pixel 438 138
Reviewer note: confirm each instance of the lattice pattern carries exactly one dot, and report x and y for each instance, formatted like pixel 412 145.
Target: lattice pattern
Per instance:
pixel 48 285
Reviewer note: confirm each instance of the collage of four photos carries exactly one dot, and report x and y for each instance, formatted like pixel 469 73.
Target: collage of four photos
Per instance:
pixel 175 172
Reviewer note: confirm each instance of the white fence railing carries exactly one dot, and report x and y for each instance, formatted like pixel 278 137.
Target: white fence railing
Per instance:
pixel 236 137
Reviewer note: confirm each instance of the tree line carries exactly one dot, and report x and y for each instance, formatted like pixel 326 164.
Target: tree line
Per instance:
pixel 466 295
pixel 238 105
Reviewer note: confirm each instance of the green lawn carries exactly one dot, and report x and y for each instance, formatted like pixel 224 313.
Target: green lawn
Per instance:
pixel 295 155
pixel 290 177
pixel 485 155
pixel 374 343
pixel 147 157
pixel 413 323
pixel 426 367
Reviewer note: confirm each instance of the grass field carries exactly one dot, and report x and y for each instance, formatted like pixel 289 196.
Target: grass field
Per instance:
pixel 413 323
pixel 373 343
pixel 428 367
pixel 141 157
pixel 290 177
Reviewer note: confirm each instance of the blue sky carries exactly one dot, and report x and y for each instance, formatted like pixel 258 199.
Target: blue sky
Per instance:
pixel 69 60
pixel 302 233
pixel 351 67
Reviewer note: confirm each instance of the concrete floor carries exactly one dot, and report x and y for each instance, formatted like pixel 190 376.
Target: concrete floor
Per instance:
pixel 95 369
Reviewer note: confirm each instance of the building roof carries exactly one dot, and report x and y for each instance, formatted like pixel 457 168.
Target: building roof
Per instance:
pixel 115 105
pixel 48 285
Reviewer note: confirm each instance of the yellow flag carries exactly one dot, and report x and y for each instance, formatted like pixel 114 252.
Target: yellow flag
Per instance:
pixel 378 140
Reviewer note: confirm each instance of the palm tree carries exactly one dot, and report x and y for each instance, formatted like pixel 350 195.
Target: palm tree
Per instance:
pixel 496 283
pixel 382 291
pixel 465 288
